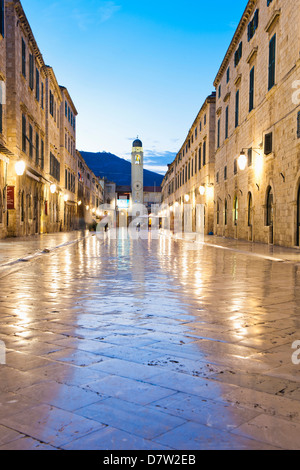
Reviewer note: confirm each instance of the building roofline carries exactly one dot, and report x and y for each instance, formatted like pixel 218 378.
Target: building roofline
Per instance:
pixel 50 74
pixel 235 40
pixel 25 24
pixel 66 92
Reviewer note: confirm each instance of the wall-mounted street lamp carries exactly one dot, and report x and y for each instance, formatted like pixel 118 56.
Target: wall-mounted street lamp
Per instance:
pixel 53 188
pixel 20 167
pixel 202 190
pixel 66 197
pixel 79 203
pixel 186 198
pixel 242 161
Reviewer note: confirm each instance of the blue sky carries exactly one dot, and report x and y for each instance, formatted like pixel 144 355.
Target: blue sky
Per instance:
pixel 135 67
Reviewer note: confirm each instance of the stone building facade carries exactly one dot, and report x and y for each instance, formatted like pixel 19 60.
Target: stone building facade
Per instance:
pixel 26 124
pixel 68 115
pixel 90 194
pixel 257 159
pixel 5 154
pixel 39 178
pixel 190 177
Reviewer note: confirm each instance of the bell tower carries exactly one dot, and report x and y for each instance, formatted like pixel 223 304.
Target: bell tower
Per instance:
pixel 137 172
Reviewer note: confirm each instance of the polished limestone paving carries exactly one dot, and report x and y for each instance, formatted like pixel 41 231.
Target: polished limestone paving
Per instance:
pixel 148 344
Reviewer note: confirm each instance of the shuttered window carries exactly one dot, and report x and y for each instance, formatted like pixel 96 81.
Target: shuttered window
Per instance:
pixel 268 143
pixel 272 61
pixel 237 108
pixel 23 58
pixel 251 90
pixel 2 18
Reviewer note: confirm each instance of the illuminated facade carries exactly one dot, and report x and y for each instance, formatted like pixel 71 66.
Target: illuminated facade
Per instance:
pixel 39 172
pixel 257 172
pixel 190 177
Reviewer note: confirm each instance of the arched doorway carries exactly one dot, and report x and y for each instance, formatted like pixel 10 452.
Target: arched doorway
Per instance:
pixel 270 214
pixel 250 217
pixel 235 211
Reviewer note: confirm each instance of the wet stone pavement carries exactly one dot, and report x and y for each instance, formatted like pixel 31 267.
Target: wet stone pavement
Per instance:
pixel 148 345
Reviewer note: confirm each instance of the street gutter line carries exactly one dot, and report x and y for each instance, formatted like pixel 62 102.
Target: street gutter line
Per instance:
pixel 42 252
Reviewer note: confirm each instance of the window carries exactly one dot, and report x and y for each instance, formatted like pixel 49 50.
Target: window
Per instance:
pixel 22 207
pixel 37 148
pixel 218 213
pixel 250 157
pixel 268 143
pixel 235 166
pixel 225 212
pixel 251 90
pixel 54 167
pixel 237 108
pixel 272 60
pixel 51 103
pixel 30 141
pixel 37 85
pixel 42 95
pixel 250 210
pixel 24 137
pixel 42 154
pixel 226 122
pixel 269 221
pixel 31 71
pixel 204 153
pixel 298 125
pixel 2 18
pixel 225 173
pixel 200 158
pixel 219 131
pixel 220 91
pixel 23 58
pixel 228 75
pixel 66 109
pixel 253 25
pixel 235 211
pixel 238 54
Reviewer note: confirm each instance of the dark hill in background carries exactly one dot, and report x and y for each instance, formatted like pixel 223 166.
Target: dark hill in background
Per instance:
pixel 117 169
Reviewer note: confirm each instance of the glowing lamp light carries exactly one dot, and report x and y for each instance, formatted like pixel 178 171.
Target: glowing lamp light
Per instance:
pixel 53 188
pixel 187 198
pixel 20 168
pixel 79 203
pixel 242 161
pixel 87 208
pixel 66 198
pixel 202 190
pixel 93 211
pixel 210 192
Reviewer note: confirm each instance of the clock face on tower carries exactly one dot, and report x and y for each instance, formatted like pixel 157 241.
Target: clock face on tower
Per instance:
pixel 137 186
pixel 137 159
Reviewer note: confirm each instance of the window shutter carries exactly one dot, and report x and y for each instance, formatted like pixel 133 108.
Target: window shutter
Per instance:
pixel 268 143
pixel 272 56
